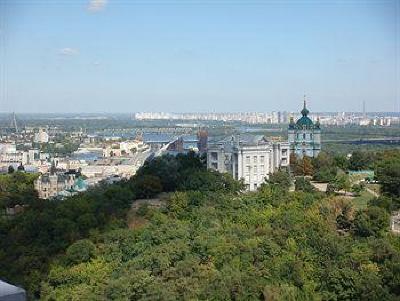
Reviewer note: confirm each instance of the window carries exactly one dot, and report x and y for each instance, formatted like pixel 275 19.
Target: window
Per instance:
pixel 247 159
pixel 214 165
pixel 214 156
pixel 262 159
pixel 255 186
pixel 247 170
pixel 262 170
pixel 304 136
pixel 255 159
pixel 284 152
pixel 255 169
pixel 311 136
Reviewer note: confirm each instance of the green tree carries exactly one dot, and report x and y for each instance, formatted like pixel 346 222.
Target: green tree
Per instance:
pixel 361 160
pixel 11 169
pixel 341 161
pixel 80 251
pixel 388 203
pixel 303 184
pixel 325 174
pixel 303 167
pixel 280 179
pixel 147 186
pixel 357 189
pixel 342 182
pixel 372 221
pixel 388 174
pixel 324 167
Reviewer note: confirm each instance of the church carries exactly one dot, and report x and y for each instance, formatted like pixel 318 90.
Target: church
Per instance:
pixel 304 136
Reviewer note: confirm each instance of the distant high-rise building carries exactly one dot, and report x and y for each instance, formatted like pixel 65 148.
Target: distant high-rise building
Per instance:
pixel 304 136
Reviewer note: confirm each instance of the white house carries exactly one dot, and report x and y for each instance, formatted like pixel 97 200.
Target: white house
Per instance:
pixel 252 160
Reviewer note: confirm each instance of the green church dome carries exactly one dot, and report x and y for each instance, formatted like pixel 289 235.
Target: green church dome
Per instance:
pixel 80 185
pixel 304 122
pixel 305 112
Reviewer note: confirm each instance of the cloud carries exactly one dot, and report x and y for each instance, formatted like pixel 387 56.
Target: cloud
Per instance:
pixel 68 51
pixel 97 5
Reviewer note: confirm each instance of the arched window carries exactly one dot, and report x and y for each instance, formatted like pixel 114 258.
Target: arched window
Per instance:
pixel 311 136
pixel 304 136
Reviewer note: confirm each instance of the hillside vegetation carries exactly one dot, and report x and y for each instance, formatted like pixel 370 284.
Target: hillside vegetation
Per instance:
pixel 218 246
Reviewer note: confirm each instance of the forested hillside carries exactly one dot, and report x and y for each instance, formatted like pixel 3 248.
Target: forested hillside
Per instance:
pixel 218 246
pixel 210 241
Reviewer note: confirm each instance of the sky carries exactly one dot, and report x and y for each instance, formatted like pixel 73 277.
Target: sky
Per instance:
pixel 124 56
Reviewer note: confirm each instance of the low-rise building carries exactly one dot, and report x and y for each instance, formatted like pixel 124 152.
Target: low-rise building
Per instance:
pixel 41 137
pixel 9 155
pixel 251 160
pixel 52 184
pixel 124 148
pixel 106 170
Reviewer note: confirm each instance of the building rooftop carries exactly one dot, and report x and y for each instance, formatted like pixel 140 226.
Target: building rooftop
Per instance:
pixel 11 292
pixel 242 140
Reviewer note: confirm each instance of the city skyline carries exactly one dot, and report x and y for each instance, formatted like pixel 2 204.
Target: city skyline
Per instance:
pixel 114 56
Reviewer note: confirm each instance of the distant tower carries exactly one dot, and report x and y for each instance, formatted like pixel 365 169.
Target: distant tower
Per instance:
pixel 304 136
pixel 14 122
pixel 364 112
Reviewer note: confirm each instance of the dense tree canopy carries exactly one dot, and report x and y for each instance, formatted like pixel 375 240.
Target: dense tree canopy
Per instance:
pixel 301 166
pixel 361 160
pixel 325 167
pixel 30 240
pixel 388 173
pixel 17 189
pixel 229 247
pixel 280 179
pixel 303 184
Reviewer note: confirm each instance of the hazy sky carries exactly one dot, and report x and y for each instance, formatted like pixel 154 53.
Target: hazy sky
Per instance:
pixel 180 56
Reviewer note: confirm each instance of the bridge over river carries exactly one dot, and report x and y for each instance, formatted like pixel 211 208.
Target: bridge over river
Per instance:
pixel 386 140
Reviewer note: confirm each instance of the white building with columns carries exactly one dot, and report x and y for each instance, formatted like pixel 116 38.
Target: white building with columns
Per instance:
pixel 252 160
